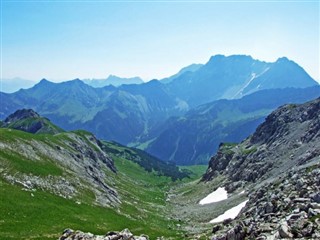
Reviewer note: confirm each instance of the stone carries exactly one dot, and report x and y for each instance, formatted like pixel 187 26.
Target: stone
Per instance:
pixel 315 205
pixel 142 237
pixel 284 230
pixel 295 216
pixel 302 200
pixel 231 235
pixel 266 228
pixel 262 237
pixel 219 237
pixel 67 231
pixel 313 212
pixel 69 234
pixel 307 231
pixel 126 234
pixel 300 183
pixel 268 207
pixel 316 235
pixel 227 221
pixel 316 197
pixel 216 228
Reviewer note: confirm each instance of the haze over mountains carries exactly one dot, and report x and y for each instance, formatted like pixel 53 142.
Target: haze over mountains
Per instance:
pixel 14 84
pixel 195 136
pixel 268 164
pixel 112 80
pixel 168 118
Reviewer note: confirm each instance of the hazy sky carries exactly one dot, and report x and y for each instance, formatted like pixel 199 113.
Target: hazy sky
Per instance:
pixel 61 40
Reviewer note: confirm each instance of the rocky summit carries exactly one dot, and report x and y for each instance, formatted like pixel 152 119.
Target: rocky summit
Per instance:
pixel 289 137
pixel 28 120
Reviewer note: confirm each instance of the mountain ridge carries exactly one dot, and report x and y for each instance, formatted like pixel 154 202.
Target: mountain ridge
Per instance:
pixel 286 132
pixel 193 137
pixel 112 80
pixel 134 112
pixel 278 170
pixel 213 80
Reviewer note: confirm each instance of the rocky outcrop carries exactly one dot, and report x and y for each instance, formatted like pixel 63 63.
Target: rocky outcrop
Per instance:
pixel 280 167
pixel 21 114
pixel 287 208
pixel 69 234
pixel 282 121
pixel 289 137
pixel 28 120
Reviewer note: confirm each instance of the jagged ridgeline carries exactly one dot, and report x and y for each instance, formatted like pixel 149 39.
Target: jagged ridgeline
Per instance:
pixel 182 118
pixel 289 137
pixel 51 179
pixel 279 168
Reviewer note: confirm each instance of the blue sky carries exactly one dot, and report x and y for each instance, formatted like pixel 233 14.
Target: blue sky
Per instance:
pixel 61 40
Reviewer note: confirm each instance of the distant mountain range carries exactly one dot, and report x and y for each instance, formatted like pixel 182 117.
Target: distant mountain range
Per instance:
pixel 236 76
pixel 190 68
pixel 112 80
pixel 194 137
pixel 149 115
pixel 10 85
pixel 121 114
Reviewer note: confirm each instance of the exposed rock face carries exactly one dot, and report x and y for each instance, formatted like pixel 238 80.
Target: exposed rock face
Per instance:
pixel 282 209
pixel 28 120
pixel 285 120
pixel 21 114
pixel 280 165
pixel 125 234
pixel 289 137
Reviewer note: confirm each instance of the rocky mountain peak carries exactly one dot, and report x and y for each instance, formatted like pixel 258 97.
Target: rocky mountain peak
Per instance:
pixel 44 81
pixel 219 59
pixel 278 122
pixel 289 138
pixel 28 120
pixel 21 114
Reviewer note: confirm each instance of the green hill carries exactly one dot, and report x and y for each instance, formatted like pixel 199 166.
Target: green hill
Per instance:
pixel 71 179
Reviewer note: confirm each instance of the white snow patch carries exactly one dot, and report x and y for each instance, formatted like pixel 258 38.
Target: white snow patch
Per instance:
pixel 231 213
pixel 242 192
pixel 216 196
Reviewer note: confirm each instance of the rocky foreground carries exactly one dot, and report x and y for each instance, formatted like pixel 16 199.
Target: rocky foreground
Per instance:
pixel 287 208
pixel 125 234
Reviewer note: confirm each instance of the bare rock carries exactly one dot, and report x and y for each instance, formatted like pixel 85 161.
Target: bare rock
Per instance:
pixel 284 230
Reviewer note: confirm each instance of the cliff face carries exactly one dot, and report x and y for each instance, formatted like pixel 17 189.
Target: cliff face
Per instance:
pixel 279 168
pixel 289 137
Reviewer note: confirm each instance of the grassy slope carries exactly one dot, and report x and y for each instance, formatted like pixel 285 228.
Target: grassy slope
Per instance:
pixel 195 171
pixel 42 215
pixel 145 160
